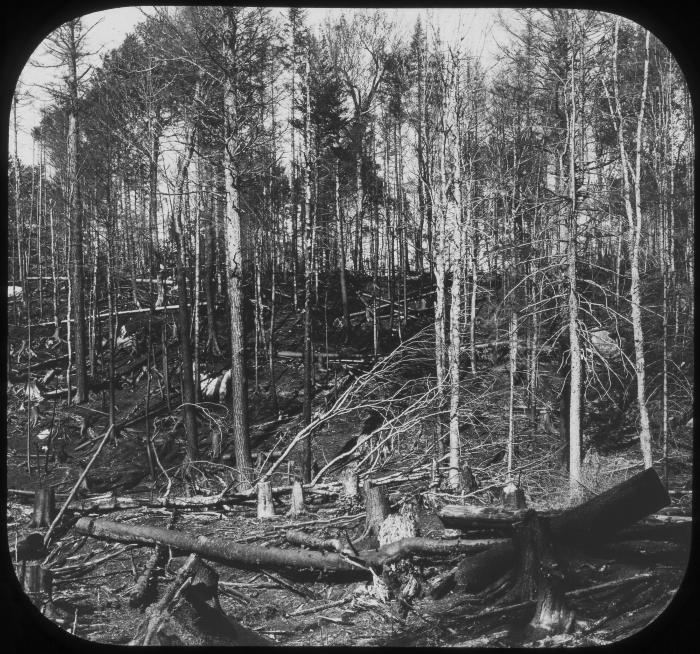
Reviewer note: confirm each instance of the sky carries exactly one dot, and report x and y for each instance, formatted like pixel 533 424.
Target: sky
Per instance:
pixel 108 29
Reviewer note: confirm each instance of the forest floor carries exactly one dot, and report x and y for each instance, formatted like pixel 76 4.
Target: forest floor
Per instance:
pixel 93 578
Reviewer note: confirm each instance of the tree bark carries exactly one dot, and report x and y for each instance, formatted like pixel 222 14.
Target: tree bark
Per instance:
pixel 251 557
pixel 234 261
pixel 75 219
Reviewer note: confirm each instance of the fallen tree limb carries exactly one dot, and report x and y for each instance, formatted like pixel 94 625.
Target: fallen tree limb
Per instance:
pixel 320 607
pixel 78 484
pixel 139 593
pixel 159 612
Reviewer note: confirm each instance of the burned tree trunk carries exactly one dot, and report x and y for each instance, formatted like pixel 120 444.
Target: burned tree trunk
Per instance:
pixel 539 576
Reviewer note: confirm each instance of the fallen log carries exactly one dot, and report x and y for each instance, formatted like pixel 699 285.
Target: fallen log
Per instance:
pixel 416 545
pixel 320 357
pixel 591 522
pixel 655 530
pixel 244 556
pixel 644 550
pixel 106 502
pixel 309 540
pixel 78 485
pixel 455 516
pixel 594 520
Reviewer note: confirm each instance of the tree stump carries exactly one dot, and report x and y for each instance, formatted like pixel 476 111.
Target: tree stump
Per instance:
pixel 377 508
pixel 538 575
pixel 513 497
pixel 402 578
pixel 266 508
pixel 348 478
pixel 298 506
pixel 44 508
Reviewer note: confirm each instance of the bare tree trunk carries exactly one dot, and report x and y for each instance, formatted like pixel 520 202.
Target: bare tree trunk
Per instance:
pixel 634 217
pixel 357 251
pixel 195 290
pixel 341 252
pixel 54 286
pixel 513 338
pixel 186 358
pixel 635 290
pixel 76 222
pixel 574 345
pixel 209 288
pixel 456 269
pixel 234 260
pixel 308 363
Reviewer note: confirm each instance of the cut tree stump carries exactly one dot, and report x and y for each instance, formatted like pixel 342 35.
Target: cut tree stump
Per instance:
pixel 348 479
pixel 513 497
pixel 266 508
pixel 298 507
pixel 539 575
pixel 376 507
pixel 44 508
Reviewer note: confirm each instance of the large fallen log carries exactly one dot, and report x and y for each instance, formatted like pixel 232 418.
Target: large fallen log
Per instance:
pixel 393 551
pixel 239 555
pixel 481 518
pixel 592 522
pixel 416 545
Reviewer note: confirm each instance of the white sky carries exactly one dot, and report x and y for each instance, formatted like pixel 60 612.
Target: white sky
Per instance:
pixel 108 29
